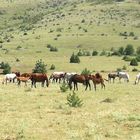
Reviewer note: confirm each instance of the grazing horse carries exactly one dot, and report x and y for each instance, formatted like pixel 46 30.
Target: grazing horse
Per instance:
pixel 123 75
pixel 97 79
pixel 112 76
pixel 22 79
pixel 39 77
pixel 9 77
pixel 84 79
pixel 57 76
pixel 137 78
pixel 26 75
pixel 68 75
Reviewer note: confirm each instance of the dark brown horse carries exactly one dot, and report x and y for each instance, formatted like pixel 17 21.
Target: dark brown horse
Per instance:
pixel 97 79
pixel 112 76
pixel 39 77
pixel 84 79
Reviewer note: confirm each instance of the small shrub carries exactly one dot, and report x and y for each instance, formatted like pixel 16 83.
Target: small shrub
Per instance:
pixel 73 100
pixel 80 53
pixel 138 58
pixel 103 53
pixel 52 67
pixel 119 69
pixel 131 34
pixel 124 68
pixel 134 70
pixel 53 49
pixel 94 53
pixel 64 87
pixel 126 58
pixel 49 46
pixel 134 62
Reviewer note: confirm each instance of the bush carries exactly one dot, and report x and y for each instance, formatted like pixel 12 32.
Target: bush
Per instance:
pixel 103 53
pixel 124 68
pixel 134 62
pixel 73 100
pixel 138 51
pixel 52 67
pixel 64 87
pixel 129 50
pixel 138 58
pixel 126 58
pixel 53 49
pixel 86 72
pixel 119 69
pixel 94 53
pixel 121 50
pixel 40 67
pixel 74 59
pixel 6 68
pixel 80 53
pixel 134 69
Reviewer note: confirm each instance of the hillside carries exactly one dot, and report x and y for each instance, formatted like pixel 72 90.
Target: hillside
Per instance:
pixel 26 27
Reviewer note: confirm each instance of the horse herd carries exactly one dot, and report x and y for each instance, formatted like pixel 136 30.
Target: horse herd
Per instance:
pixel 71 79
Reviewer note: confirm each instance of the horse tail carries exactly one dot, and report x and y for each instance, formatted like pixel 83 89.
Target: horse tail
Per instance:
pixel 70 83
pixel 105 79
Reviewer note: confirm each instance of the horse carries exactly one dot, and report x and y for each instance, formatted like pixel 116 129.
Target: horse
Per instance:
pixel 22 79
pixel 112 76
pixel 9 77
pixel 84 79
pixel 123 75
pixel 39 77
pixel 26 75
pixel 98 79
pixel 57 76
pixel 137 78
pixel 68 75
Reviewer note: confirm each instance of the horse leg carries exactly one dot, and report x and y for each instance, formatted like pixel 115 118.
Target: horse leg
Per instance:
pixel 76 86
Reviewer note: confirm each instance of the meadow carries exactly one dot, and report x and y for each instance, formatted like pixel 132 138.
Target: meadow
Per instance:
pixel 26 29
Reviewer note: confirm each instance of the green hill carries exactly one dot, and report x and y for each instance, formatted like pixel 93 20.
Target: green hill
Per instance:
pixel 26 27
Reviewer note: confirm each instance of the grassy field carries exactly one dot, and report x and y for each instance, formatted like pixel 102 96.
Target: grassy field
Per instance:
pixel 27 27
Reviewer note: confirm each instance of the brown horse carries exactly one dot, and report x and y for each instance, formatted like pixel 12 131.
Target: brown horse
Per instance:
pixel 112 76
pixel 22 79
pixel 39 77
pixel 97 79
pixel 84 79
pixel 26 75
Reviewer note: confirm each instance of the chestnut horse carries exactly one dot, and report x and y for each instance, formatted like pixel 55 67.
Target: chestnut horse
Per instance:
pixel 84 79
pixel 97 79
pixel 22 79
pixel 39 77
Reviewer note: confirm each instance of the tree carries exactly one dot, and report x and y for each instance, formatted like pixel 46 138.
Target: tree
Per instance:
pixel 6 68
pixel 74 58
pixel 134 62
pixel 40 67
pixel 129 50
